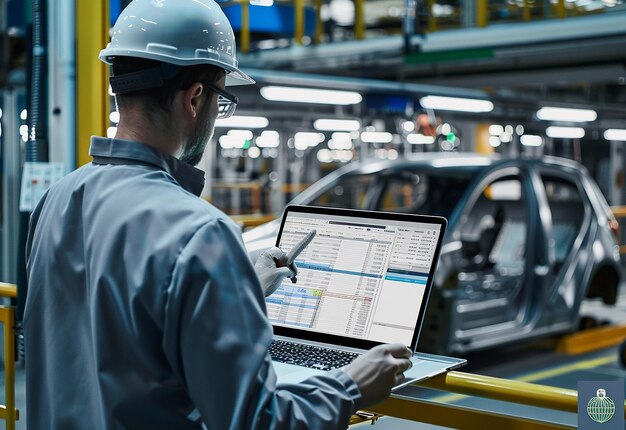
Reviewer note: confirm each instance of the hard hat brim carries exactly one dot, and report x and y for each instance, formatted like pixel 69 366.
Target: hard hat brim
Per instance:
pixel 234 76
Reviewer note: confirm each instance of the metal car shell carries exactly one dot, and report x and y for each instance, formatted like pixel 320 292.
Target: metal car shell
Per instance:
pixel 527 241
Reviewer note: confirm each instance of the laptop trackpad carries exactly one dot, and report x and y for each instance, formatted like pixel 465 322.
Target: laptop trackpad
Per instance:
pixel 291 374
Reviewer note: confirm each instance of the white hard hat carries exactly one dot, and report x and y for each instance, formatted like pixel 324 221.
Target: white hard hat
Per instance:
pixel 180 32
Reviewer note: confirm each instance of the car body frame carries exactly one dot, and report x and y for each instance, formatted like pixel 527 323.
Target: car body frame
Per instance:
pixel 528 240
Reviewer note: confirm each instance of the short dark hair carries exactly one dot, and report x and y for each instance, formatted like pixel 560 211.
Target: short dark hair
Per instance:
pixel 161 98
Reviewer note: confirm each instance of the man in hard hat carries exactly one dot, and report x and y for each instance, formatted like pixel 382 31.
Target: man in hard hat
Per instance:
pixel 144 310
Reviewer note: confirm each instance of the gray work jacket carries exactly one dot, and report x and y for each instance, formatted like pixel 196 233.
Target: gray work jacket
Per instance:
pixel 144 310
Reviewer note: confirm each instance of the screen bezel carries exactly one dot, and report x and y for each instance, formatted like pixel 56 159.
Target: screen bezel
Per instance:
pixel 367 215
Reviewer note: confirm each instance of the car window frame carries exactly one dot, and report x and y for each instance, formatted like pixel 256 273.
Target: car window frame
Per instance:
pixel 491 175
pixel 575 178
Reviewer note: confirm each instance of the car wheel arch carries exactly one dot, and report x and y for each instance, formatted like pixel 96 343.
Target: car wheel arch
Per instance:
pixel 604 284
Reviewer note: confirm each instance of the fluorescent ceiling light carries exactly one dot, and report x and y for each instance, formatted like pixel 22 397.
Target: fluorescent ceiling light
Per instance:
pixel 376 137
pixel 494 141
pixel 254 152
pixel 270 134
pixel 230 142
pixel 243 122
pixel 496 130
pixel 565 132
pixel 615 134
pixel 336 124
pixel 420 139
pixel 309 139
pixel 531 140
pixel 456 104
pixel 310 95
pixel 506 137
pixel 566 114
pixel 454 162
pixel 268 139
pixel 340 140
pixel 241 134
pixel 408 126
pixel 266 3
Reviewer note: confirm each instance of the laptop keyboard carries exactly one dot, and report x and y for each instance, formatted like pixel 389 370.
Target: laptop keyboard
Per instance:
pixel 315 357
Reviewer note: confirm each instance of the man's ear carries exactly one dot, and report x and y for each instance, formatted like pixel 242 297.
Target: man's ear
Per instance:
pixel 193 99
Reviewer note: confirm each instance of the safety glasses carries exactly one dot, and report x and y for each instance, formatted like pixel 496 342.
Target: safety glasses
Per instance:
pixel 226 102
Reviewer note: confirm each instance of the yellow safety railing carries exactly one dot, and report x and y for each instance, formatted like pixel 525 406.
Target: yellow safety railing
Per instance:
pixel 8 412
pixel 248 198
pixel 458 417
pixel 249 192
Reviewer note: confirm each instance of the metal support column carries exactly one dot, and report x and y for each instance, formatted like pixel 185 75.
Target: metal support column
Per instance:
pixel 561 12
pixel 92 98
pixel 481 142
pixel 319 24
pixel 616 174
pixel 14 102
pixel 432 21
pixel 299 21
pixel 482 13
pixel 527 10
pixel 359 19
pixel 62 73
pixel 469 13
pixel 408 24
pixel 245 26
pixel 282 165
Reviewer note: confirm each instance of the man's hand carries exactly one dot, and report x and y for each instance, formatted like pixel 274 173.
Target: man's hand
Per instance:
pixel 271 268
pixel 274 265
pixel 378 370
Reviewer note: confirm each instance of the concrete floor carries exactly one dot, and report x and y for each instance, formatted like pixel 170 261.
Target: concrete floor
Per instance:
pixel 532 364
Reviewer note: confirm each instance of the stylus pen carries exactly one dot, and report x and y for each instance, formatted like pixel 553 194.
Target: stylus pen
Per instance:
pixel 296 250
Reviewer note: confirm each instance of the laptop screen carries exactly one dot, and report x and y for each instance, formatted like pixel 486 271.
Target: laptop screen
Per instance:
pixel 362 277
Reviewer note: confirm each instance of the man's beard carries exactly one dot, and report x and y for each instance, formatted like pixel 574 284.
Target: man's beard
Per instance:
pixel 193 149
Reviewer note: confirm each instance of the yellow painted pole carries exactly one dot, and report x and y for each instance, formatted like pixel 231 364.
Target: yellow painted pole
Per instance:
pixel 482 145
pixel 299 11
pixel 457 417
pixel 319 24
pixel 245 27
pixel 8 290
pixel 92 98
pixel 449 415
pixel 561 12
pixel 432 22
pixel 359 19
pixel 527 10
pixel 619 211
pixel 7 317
pixel 482 13
pixel 506 390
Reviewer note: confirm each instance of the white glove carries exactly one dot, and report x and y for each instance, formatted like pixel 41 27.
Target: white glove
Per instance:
pixel 271 267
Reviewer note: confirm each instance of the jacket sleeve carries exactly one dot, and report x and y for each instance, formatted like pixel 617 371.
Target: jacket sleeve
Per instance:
pixel 216 336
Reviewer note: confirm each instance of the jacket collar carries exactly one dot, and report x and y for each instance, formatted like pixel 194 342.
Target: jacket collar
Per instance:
pixel 120 151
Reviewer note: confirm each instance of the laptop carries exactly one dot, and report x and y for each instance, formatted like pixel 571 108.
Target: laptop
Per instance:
pixel 362 281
